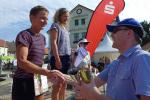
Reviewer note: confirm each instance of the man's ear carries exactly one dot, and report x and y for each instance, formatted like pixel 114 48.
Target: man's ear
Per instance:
pixel 130 32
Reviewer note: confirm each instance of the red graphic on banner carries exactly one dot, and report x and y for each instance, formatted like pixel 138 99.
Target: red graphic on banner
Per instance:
pixel 104 14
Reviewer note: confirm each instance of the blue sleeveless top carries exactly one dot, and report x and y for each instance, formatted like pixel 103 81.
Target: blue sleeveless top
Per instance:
pixel 63 40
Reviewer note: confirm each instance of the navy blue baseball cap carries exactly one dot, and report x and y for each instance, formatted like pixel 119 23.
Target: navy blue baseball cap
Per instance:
pixel 129 22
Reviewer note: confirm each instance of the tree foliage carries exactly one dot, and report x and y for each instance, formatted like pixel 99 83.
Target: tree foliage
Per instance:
pixel 146 26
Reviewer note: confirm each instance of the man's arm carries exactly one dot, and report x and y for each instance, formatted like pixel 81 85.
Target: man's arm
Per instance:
pixel 94 94
pixel 90 91
pixel 140 77
pixel 99 82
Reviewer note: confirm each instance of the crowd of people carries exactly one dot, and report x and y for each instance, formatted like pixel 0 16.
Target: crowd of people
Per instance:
pixel 8 65
pixel 102 63
pixel 126 77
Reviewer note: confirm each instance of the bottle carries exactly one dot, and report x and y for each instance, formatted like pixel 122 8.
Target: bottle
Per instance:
pixel 86 75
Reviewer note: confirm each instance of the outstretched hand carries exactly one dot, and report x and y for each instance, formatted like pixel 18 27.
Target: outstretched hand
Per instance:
pixel 82 89
pixel 56 76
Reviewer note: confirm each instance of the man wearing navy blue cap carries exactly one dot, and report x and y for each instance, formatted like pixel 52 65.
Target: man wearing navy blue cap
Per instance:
pixel 127 77
pixel 128 23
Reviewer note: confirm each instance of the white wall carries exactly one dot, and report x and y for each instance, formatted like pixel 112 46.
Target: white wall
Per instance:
pixel 3 51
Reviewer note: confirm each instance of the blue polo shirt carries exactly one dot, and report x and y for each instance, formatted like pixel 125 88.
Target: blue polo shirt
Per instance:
pixel 129 75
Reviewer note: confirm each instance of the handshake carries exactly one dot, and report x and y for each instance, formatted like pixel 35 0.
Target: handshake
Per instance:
pixel 78 74
pixel 75 74
pixel 82 67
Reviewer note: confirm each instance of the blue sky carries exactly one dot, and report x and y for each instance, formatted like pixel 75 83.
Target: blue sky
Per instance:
pixel 14 13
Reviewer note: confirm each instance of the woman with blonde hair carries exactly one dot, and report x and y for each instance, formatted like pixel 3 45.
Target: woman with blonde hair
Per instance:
pixel 60 50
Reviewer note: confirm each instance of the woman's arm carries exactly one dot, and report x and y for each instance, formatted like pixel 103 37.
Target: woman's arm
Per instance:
pixel 22 53
pixel 54 47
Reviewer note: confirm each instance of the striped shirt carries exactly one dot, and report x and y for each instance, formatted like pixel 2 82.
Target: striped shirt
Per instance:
pixel 35 46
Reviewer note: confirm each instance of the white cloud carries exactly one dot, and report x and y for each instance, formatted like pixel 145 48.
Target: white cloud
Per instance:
pixel 138 9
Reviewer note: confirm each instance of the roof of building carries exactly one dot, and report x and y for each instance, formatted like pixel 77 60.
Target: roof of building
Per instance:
pixel 2 43
pixel 80 6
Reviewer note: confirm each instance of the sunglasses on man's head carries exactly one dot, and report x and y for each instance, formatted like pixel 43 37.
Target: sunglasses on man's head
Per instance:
pixel 84 43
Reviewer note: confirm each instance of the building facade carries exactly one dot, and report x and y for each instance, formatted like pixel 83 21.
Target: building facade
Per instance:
pixel 3 48
pixel 79 20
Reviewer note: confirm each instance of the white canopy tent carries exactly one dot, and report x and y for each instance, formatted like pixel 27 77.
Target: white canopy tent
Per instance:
pixel 105 49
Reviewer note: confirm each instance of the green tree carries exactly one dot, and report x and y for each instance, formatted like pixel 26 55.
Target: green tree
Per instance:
pixel 146 26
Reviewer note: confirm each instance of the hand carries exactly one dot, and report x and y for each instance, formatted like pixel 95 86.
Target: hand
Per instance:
pixel 58 64
pixel 70 79
pixel 56 76
pixel 89 91
pixel 83 90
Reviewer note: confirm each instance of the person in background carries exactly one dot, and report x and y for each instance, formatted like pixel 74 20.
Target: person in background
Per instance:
pixel 1 66
pixel 82 61
pixel 30 44
pixel 82 53
pixel 101 64
pixel 127 77
pixel 60 50
pixel 107 61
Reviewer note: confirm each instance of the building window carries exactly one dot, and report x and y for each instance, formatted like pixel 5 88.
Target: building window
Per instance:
pixel 76 36
pixel 83 21
pixel 83 34
pixel 76 22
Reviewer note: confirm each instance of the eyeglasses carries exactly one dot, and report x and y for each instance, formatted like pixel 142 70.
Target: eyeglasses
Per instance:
pixel 85 43
pixel 119 29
